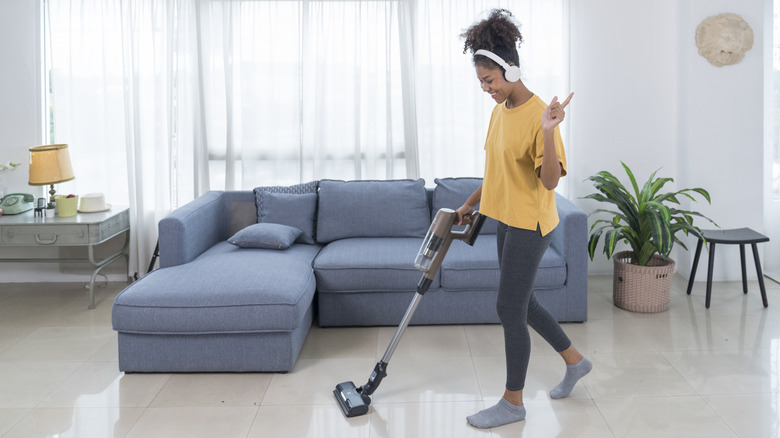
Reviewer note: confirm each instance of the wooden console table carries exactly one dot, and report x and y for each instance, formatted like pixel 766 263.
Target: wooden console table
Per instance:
pixel 83 229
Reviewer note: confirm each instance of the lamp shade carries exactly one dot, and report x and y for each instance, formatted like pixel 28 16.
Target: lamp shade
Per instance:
pixel 50 164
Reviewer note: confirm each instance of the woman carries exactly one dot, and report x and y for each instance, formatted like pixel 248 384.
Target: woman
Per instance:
pixel 523 163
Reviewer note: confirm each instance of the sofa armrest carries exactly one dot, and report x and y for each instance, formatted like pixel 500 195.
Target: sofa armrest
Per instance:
pixel 190 230
pixel 570 238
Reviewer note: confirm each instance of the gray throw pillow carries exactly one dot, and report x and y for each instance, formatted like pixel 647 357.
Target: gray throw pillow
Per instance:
pixel 293 210
pixel 267 236
pixel 273 212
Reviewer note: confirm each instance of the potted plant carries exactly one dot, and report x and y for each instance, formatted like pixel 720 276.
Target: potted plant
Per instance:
pixel 49 210
pixel 649 222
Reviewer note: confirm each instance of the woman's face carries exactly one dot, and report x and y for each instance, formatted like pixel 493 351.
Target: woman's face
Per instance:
pixel 493 82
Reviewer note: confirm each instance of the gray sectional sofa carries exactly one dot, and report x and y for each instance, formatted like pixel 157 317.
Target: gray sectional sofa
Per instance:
pixel 214 306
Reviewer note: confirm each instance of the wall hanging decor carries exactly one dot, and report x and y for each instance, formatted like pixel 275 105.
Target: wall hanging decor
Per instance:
pixel 723 39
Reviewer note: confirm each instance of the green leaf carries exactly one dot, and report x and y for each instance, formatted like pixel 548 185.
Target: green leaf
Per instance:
pixel 594 241
pixel 631 177
pixel 679 242
pixel 612 179
pixel 613 184
pixel 700 191
pixel 686 228
pixel 644 253
pixel 645 196
pixel 622 200
pixel 689 214
pixel 662 236
pixel 667 197
pixel 609 212
pixel 657 185
pixel 611 240
pixel 662 209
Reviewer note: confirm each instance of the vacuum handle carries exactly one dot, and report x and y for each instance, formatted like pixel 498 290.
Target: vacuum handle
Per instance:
pixel 474 226
pixel 477 221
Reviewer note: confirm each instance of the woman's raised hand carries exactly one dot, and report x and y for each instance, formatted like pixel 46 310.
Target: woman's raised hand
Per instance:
pixel 553 115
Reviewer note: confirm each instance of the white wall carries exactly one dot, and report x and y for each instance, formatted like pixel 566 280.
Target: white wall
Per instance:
pixel 21 124
pixel 645 96
pixel 19 110
pixel 19 78
pixel 624 75
pixel 722 141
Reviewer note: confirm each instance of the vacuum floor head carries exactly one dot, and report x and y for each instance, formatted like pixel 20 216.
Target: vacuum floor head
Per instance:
pixel 352 403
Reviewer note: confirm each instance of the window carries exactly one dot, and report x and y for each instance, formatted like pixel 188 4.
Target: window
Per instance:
pixel 163 100
pixel 279 91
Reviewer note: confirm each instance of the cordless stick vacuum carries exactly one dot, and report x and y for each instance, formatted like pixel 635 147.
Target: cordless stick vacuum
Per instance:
pixel 354 400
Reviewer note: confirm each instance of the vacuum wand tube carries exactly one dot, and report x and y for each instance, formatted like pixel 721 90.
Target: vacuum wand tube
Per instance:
pixel 354 400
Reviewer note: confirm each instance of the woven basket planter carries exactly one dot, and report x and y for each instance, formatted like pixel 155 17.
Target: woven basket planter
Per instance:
pixel 643 289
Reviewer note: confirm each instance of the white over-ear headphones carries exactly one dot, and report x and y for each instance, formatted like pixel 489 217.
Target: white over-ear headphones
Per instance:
pixel 511 72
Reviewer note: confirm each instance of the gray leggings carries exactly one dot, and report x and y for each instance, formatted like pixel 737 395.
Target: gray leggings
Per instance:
pixel 519 254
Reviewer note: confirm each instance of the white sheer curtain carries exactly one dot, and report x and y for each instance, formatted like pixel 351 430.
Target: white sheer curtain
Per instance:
pixel 114 96
pixel 162 100
pixel 249 69
pixel 772 142
pixel 353 105
pixel 452 111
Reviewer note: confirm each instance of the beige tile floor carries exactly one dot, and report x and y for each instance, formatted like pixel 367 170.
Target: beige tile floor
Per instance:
pixel 688 372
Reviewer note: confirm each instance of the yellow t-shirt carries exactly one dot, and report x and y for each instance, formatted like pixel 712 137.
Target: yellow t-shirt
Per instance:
pixel 512 191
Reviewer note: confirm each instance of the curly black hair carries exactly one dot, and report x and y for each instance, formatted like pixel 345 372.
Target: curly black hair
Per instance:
pixel 499 33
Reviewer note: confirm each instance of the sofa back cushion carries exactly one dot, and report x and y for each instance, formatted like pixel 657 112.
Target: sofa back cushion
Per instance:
pixel 453 192
pixel 396 208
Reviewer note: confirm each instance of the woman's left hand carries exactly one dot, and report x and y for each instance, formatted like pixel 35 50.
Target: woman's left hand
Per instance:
pixel 553 115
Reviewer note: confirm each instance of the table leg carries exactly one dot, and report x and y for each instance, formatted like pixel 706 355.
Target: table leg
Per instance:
pixel 102 264
pixel 709 275
pixel 744 271
pixel 695 266
pixel 760 275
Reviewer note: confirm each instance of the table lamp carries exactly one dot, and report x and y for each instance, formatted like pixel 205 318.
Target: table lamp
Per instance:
pixel 50 164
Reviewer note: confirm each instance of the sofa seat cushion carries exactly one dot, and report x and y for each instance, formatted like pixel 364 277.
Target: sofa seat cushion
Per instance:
pixel 367 264
pixel 225 289
pixel 467 268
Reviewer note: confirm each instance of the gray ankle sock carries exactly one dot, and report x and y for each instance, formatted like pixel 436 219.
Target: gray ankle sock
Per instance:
pixel 573 374
pixel 500 414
